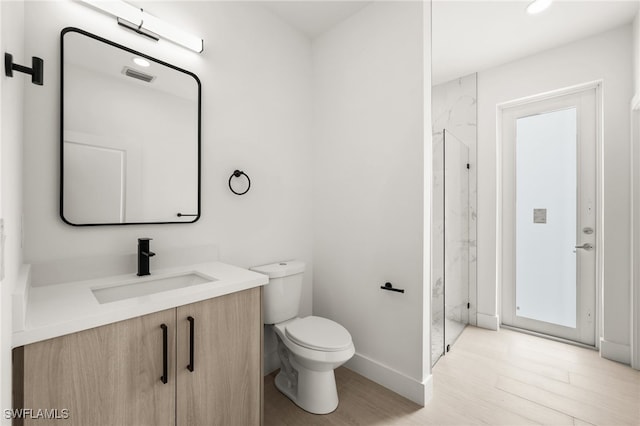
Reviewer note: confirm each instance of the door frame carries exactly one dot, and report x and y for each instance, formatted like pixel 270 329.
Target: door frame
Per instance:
pixel 635 232
pixel 502 233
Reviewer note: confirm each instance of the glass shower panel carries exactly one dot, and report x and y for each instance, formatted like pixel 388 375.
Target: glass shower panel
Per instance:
pixel 437 250
pixel 456 237
pixel 449 242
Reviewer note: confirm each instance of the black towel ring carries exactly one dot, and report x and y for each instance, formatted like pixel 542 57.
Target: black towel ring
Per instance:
pixel 238 173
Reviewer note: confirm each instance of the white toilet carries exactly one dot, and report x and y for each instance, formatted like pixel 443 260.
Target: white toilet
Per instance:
pixel 309 348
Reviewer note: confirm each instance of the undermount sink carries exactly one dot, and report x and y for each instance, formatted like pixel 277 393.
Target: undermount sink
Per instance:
pixel 144 286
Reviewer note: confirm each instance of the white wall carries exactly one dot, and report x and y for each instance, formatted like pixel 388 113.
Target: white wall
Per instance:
pixel 368 161
pixel 256 114
pixel 256 109
pixel 608 57
pixel 12 91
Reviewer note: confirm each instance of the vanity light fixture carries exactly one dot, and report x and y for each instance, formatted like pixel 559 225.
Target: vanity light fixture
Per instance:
pixel 538 6
pixel 146 24
pixel 141 62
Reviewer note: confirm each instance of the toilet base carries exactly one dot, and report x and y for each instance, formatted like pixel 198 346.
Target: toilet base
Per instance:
pixel 315 391
pixel 307 376
pixel 285 386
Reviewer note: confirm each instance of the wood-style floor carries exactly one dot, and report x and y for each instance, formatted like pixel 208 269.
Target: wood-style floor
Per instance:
pixel 489 378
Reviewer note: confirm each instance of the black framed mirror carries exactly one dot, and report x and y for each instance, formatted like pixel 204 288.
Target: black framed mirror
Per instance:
pixel 129 136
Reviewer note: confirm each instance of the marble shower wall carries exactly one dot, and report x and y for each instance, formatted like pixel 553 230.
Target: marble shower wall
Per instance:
pixel 454 108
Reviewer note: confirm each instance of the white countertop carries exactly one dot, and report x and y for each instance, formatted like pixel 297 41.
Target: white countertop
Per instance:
pixel 56 310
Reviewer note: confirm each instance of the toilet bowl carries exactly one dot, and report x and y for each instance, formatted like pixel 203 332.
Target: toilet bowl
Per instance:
pixel 309 348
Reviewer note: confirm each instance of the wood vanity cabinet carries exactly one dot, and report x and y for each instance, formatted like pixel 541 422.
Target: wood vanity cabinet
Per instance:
pixel 111 375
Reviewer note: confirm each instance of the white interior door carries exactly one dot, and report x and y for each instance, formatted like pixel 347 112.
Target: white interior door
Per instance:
pixel 549 216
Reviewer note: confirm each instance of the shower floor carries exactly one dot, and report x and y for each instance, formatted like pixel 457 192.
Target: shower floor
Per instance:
pixel 438 346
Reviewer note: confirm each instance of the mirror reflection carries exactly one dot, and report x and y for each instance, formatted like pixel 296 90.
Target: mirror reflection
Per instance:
pixel 130 136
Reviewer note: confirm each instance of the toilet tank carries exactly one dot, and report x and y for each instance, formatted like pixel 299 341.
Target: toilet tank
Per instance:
pixel 281 297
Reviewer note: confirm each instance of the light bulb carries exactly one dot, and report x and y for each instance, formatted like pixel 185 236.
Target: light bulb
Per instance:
pixel 538 6
pixel 141 61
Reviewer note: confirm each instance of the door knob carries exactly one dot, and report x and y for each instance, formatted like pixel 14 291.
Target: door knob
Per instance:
pixel 585 246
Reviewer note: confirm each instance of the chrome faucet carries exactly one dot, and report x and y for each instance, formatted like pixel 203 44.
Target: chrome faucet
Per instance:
pixel 143 256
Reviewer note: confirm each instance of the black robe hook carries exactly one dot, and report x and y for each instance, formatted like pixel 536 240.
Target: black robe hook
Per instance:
pixel 36 70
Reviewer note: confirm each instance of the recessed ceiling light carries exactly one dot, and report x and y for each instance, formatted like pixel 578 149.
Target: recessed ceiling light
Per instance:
pixel 142 62
pixel 538 6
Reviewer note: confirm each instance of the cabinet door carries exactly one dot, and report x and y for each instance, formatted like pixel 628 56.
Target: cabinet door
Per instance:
pixel 108 375
pixel 225 386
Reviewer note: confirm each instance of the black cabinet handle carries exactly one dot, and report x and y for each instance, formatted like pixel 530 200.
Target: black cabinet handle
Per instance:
pixel 192 327
pixel 165 361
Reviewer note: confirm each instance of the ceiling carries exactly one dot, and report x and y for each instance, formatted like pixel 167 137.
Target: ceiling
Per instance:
pixel 314 17
pixel 471 36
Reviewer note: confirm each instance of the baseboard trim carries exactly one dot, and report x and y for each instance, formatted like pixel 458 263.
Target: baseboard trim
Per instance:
pixel 615 351
pixel 491 322
pixel 418 392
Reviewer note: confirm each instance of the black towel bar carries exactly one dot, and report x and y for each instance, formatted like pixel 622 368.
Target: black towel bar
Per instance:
pixel 389 286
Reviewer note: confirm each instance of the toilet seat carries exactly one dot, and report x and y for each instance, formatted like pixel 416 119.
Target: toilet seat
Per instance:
pixel 317 333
